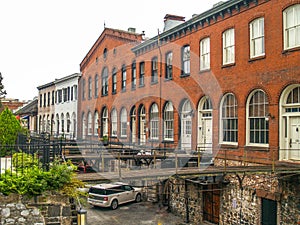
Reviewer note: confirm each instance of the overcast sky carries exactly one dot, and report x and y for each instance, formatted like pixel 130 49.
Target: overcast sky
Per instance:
pixel 41 40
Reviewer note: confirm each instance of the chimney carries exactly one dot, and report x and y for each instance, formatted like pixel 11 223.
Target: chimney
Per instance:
pixel 172 21
pixel 131 30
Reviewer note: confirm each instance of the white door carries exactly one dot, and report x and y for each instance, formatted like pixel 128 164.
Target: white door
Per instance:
pixel 142 130
pixel 294 140
pixel 186 131
pixel 207 135
pixel 133 129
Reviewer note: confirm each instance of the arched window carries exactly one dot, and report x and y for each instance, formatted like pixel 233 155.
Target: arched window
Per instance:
pixel 90 130
pixel 96 124
pixel 229 119
pixel 114 123
pixel 258 123
pixel 154 122
pixel 104 121
pixel 123 122
pixel 105 81
pixel 96 85
pixel 169 122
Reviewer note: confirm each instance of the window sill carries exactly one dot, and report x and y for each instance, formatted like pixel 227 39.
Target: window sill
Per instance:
pixel 229 146
pixel 257 148
pixel 168 79
pixel 123 90
pixel 154 82
pixel 204 71
pixel 228 65
pixel 114 92
pixel 255 58
pixel 141 85
pixel 287 51
pixel 103 95
pixel 184 75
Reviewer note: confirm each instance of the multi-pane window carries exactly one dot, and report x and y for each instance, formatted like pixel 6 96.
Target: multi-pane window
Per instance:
pixel 142 74
pixel 205 54
pixel 114 123
pixel 83 89
pixel 123 122
pixel 59 93
pixel 154 122
pixel 96 119
pixel 154 70
pixel 169 65
pixel 291 26
pixel 104 122
pixel 53 97
pixel 168 122
pixel 65 94
pixel 89 127
pixel 258 109
pixel 90 88
pixel 293 101
pixel 186 60
pixel 75 92
pixel 123 78
pixel 257 38
pixel 133 75
pixel 105 81
pixel 228 47
pixel 114 81
pixel 41 100
pixel 96 85
pixel 45 99
pixel 229 119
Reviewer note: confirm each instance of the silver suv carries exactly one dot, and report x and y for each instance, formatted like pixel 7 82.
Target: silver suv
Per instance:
pixel 113 194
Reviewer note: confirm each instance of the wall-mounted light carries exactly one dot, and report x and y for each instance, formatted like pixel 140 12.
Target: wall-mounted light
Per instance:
pixel 270 116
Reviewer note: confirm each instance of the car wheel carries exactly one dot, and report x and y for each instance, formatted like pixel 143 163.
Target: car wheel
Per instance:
pixel 114 204
pixel 138 198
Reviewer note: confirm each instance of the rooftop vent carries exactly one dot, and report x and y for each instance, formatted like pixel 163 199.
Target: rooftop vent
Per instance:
pixel 131 30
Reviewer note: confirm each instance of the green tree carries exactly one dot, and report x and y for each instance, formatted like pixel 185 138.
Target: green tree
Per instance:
pixel 9 129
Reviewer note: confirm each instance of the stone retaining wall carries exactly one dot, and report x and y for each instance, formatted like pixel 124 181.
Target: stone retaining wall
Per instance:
pixel 43 210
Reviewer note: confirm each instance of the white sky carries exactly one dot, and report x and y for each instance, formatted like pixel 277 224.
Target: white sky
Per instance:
pixel 41 40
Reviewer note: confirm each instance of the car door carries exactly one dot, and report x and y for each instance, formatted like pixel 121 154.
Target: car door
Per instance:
pixel 128 193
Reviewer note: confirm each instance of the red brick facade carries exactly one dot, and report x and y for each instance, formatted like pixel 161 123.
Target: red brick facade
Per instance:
pixel 273 73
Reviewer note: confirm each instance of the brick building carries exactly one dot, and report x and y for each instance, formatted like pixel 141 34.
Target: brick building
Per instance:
pixel 225 82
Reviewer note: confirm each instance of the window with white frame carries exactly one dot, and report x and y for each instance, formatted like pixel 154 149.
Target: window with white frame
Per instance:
pixel 229 119
pixel 257 38
pixel 90 130
pixel 186 60
pixel 96 85
pixel 154 122
pixel 96 124
pixel 114 123
pixel 154 70
pixel 169 122
pixel 228 47
pixel 291 26
pixel 104 122
pixel 205 54
pixel 123 121
pixel 123 78
pixel 83 89
pixel 169 65
pixel 258 123
pixel 142 74
pixel 133 75
pixel 90 88
pixel 105 81
pixel 114 81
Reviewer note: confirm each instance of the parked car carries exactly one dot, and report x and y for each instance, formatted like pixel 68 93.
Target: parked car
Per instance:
pixel 113 194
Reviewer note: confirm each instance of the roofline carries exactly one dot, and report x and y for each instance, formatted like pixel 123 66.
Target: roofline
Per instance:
pixel 195 21
pixel 74 75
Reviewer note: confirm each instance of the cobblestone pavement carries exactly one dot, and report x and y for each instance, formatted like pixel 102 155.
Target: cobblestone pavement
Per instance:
pixel 143 213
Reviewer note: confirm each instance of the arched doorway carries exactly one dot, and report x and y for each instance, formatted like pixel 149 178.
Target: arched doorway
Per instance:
pixel 186 125
pixel 289 123
pixel 142 123
pixel 133 124
pixel 205 131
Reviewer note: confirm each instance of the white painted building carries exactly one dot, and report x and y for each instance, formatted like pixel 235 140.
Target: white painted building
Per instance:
pixel 63 111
